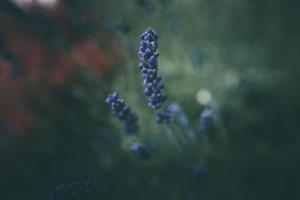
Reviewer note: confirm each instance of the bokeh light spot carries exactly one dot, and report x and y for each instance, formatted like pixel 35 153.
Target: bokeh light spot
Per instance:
pixel 203 96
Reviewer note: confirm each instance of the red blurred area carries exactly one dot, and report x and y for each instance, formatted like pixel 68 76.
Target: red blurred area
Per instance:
pixel 29 50
pixel 47 68
pixel 88 53
pixel 20 121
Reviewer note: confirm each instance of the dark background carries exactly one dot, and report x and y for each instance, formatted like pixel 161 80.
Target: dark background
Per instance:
pixel 58 62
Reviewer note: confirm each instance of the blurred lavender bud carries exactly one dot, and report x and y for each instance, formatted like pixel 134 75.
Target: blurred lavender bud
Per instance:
pixel 141 150
pixel 163 117
pixel 178 114
pixel 206 117
pixel 123 112
pixel 174 107
pixel 182 120
pixel 191 135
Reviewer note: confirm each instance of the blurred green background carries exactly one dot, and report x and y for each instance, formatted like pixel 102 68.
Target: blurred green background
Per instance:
pixel 59 60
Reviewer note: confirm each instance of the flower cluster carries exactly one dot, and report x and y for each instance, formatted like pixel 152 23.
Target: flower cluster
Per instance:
pixel 87 190
pixel 151 81
pixel 148 56
pixel 123 112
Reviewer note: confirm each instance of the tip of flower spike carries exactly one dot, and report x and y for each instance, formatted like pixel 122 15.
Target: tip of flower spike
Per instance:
pixel 111 96
pixel 149 29
pixel 114 94
pixel 148 33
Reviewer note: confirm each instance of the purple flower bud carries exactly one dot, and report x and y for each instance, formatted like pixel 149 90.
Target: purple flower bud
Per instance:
pixel 141 150
pixel 151 81
pixel 123 112
pixel 163 117
pixel 206 118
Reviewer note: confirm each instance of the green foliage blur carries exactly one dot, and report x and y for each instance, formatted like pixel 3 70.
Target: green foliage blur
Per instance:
pixel 244 54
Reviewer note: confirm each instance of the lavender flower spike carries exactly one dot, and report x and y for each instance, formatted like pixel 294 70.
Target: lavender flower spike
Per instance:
pixel 123 112
pixel 151 81
pixel 206 118
pixel 164 116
